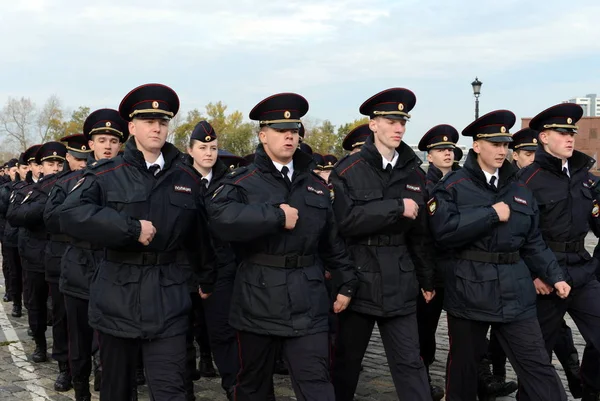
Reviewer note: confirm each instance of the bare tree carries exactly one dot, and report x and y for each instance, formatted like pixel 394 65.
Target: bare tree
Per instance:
pixel 50 120
pixel 174 124
pixel 17 119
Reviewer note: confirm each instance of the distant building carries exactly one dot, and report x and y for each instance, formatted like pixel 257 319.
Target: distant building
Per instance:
pixel 590 104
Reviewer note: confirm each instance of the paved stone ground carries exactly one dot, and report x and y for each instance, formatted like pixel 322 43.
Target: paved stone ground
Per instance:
pixel 20 379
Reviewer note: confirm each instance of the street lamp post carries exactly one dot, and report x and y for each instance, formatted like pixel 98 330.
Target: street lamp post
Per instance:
pixel 476 91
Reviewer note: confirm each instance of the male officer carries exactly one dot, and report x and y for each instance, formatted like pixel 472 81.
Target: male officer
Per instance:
pixel 11 166
pixel 356 138
pixel 31 245
pixel 146 212
pixel 493 248
pixel 458 155
pixel 560 179
pixel 439 143
pixel 377 196
pixel 11 235
pixel 523 147
pixel 103 133
pixel 277 215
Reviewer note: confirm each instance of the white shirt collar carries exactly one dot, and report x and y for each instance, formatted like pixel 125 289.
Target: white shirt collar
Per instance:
pixel 567 166
pixel 488 176
pixel 393 162
pixel 290 167
pixel 208 178
pixel 160 161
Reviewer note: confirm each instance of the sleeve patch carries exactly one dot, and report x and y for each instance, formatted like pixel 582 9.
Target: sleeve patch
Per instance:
pixel 431 206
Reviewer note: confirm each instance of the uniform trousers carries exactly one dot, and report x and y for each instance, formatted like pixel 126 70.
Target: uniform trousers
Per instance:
pixel 60 329
pixel 36 289
pixel 81 337
pixel 584 308
pixel 223 341
pixel 400 339
pixel 428 317
pixel 306 358
pixel 523 344
pixel 164 365
pixel 16 274
pixel 6 263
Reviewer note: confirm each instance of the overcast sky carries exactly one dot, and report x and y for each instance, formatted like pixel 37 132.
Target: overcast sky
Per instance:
pixel 337 53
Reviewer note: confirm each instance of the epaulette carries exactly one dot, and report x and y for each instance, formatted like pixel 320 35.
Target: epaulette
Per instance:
pixel 237 172
pixel 99 163
pixel 445 177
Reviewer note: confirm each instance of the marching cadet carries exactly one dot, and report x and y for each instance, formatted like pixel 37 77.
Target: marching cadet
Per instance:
pixel 277 215
pixel 144 209
pixel 523 147
pixel 356 138
pixel 55 249
pixel 439 143
pixel 492 249
pixel 377 196
pixel 31 245
pixel 560 179
pixel 12 166
pixel 213 164
pixel 11 235
pixel 202 155
pixel 29 216
pixel 103 132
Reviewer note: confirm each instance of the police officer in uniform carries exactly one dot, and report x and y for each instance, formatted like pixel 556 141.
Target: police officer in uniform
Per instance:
pixel 103 133
pixel 277 214
pixel 356 138
pixel 377 196
pixel 11 235
pixel 560 179
pixel 11 166
pixel 439 143
pixel 146 212
pixel 31 244
pixel 524 146
pixel 487 223
pixel 458 155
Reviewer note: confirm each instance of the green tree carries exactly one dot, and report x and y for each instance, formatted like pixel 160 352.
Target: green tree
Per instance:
pixel 182 132
pixel 322 138
pixel 344 130
pixel 75 124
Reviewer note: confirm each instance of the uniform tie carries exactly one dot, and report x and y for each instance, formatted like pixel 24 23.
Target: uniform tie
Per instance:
pixel 566 170
pixel 204 182
pixel 493 181
pixel 154 169
pixel 388 168
pixel 284 171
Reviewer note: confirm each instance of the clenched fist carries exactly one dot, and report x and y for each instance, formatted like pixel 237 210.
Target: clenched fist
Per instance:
pixel 291 216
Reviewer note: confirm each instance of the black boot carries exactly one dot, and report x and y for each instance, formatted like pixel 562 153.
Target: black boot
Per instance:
pixel 140 379
pixel 206 367
pixel 97 371
pixel 437 393
pixel 7 298
pixel 17 310
pixel 502 388
pixel 572 373
pixel 280 367
pixel 40 353
pixel 82 389
pixel 30 332
pixel 590 395
pixel 63 381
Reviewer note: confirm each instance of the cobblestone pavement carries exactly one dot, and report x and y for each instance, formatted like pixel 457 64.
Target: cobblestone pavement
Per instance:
pixel 21 379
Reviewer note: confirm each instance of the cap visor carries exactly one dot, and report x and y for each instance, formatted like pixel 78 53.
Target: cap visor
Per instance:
pixel 285 126
pixel 445 146
pixel 498 139
pixel 79 155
